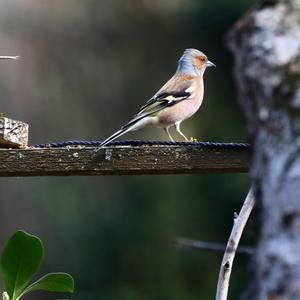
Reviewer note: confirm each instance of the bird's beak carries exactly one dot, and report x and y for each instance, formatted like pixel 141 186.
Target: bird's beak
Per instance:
pixel 210 64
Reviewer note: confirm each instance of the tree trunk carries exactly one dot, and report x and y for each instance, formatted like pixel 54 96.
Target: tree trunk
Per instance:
pixel 266 48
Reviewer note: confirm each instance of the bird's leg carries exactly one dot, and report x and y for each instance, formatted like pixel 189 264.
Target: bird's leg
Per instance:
pixel 177 126
pixel 166 129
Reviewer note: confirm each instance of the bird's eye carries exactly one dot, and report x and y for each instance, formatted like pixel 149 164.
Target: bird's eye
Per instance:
pixel 202 59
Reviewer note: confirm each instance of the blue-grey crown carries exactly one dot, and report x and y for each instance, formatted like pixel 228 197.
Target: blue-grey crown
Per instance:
pixel 185 63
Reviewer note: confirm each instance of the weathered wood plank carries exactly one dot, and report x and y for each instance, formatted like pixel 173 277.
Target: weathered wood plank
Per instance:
pixel 13 133
pixel 123 160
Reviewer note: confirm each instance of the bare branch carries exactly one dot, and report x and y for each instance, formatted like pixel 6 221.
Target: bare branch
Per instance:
pixel 189 244
pixel 9 57
pixel 234 239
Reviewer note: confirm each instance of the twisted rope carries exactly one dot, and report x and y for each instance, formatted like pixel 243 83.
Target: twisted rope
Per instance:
pixel 142 143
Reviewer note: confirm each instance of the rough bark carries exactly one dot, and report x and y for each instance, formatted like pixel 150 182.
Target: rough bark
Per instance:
pixel 266 48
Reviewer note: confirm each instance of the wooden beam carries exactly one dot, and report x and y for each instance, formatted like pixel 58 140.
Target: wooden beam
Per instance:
pixel 123 160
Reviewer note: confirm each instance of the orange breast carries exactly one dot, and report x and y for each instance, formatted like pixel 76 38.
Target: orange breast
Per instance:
pixel 184 109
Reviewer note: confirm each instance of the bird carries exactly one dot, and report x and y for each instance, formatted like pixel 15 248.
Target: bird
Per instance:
pixel 175 102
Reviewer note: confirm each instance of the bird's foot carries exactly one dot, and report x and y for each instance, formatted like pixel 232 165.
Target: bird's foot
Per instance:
pixel 192 139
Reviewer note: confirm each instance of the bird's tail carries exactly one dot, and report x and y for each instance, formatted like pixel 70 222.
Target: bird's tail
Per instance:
pixel 112 137
pixel 132 125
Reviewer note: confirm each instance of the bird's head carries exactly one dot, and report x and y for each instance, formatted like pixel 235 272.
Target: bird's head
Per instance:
pixel 193 62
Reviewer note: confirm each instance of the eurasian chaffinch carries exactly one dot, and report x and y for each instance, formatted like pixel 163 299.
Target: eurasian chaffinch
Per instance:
pixel 176 101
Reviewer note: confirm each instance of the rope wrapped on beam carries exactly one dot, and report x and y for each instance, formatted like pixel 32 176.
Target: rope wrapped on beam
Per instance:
pixel 142 143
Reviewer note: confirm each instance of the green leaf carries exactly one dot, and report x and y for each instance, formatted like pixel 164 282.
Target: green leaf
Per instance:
pixel 20 259
pixel 52 282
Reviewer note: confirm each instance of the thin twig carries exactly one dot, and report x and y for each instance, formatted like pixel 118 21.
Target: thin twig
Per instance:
pixel 189 244
pixel 234 239
pixel 9 57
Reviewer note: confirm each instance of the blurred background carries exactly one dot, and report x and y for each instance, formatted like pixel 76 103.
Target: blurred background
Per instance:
pixel 85 68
